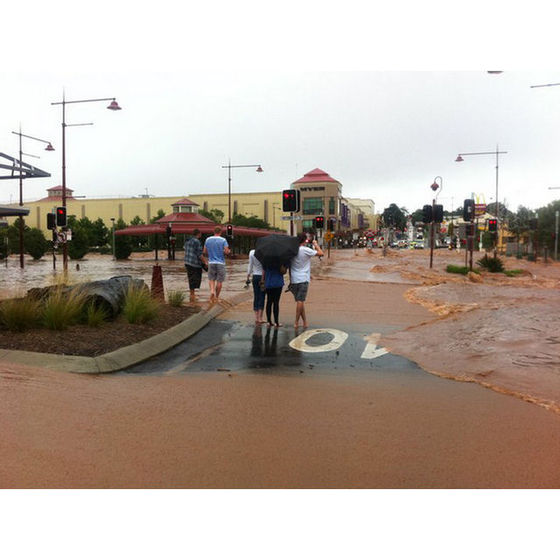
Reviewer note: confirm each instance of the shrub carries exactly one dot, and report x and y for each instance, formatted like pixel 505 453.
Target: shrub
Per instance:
pixel 513 273
pixel 63 308
pixel 139 307
pixel 455 269
pixel 492 264
pixel 20 314
pixel 95 316
pixel 35 243
pixel 176 298
pixel 78 246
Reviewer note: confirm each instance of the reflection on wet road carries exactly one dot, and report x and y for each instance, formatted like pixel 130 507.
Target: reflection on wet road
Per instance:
pixel 229 346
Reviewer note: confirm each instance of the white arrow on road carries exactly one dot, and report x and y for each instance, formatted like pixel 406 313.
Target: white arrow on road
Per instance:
pixel 372 351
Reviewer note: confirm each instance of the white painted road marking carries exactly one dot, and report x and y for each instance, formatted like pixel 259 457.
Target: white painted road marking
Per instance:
pixel 300 342
pixel 371 350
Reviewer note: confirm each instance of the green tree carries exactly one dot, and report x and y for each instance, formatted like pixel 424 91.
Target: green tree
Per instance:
pixel 123 243
pixel 214 214
pixel 160 214
pixel 100 233
pixel 79 245
pixel 393 216
pixel 137 221
pixel 35 243
pixel 248 221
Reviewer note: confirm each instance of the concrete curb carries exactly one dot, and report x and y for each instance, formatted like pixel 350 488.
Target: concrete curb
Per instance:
pixel 129 355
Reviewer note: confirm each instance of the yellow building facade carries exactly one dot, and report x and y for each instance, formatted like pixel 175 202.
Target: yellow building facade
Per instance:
pixel 320 195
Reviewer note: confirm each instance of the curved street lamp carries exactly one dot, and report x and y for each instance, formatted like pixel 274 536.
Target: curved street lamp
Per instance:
pixel 113 106
pixel 496 153
pixel 229 167
pixel 49 148
pixel 435 187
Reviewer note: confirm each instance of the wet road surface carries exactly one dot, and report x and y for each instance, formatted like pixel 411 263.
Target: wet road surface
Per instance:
pixel 233 346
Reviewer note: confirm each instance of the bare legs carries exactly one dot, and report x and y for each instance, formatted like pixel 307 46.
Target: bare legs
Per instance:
pixel 300 314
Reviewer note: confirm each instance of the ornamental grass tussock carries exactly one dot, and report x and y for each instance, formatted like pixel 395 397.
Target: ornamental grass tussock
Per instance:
pixel 139 306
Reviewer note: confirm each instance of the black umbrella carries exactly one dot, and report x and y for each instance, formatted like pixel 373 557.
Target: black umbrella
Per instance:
pixel 275 250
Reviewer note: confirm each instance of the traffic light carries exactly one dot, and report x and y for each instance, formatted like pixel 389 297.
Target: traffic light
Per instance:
pixel 229 230
pixel 168 231
pixel 51 220
pixel 468 210
pixel 290 200
pixel 493 225
pixel 438 213
pixel 427 214
pixel 61 216
pixel 330 224
pixel 319 222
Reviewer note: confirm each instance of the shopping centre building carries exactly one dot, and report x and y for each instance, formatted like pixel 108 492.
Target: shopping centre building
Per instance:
pixel 321 195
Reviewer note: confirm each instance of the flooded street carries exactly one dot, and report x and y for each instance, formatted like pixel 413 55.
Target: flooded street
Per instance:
pixel 15 281
pixel 497 331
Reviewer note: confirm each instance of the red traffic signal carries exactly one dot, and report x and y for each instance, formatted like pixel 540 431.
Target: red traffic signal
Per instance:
pixel 61 216
pixel 290 200
pixel 493 225
pixel 319 222
pixel 229 230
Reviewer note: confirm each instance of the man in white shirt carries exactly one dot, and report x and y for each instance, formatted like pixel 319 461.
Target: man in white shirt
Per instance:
pixel 300 275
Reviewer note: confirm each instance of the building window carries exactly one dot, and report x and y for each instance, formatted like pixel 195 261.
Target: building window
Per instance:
pixel 331 205
pixel 307 225
pixel 312 206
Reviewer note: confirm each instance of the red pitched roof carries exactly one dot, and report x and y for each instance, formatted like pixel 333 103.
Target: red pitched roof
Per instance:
pixel 185 202
pixel 316 176
pixel 185 218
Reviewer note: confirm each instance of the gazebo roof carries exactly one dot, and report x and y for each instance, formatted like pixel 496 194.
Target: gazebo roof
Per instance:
pixel 185 202
pixel 185 217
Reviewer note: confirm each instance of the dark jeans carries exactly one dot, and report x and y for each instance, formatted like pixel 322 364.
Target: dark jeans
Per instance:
pixel 258 294
pixel 273 303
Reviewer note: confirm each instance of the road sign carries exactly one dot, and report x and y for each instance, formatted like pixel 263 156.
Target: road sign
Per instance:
pixel 329 236
pixel 479 209
pixel 61 236
pixel 292 217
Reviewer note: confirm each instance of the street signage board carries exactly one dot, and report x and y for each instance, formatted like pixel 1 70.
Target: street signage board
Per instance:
pixel 292 217
pixel 479 209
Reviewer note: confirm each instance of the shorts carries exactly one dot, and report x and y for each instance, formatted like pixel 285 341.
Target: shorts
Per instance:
pixel 299 290
pixel 216 272
pixel 194 274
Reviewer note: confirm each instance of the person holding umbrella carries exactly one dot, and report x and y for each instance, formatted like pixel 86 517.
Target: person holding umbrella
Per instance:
pixel 275 251
pixel 300 275
pixel 273 284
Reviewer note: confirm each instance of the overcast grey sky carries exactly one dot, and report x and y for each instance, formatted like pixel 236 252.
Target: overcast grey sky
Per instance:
pixel 197 90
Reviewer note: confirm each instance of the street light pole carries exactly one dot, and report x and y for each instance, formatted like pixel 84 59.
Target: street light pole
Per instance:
pixel 229 167
pixel 49 148
pixel 434 186
pixel 113 106
pixel 496 153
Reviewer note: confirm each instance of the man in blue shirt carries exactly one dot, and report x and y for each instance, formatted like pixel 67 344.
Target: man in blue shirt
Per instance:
pixel 216 248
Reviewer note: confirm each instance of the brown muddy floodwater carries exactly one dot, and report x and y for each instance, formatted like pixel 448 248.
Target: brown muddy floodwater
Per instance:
pixel 15 281
pixel 500 332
